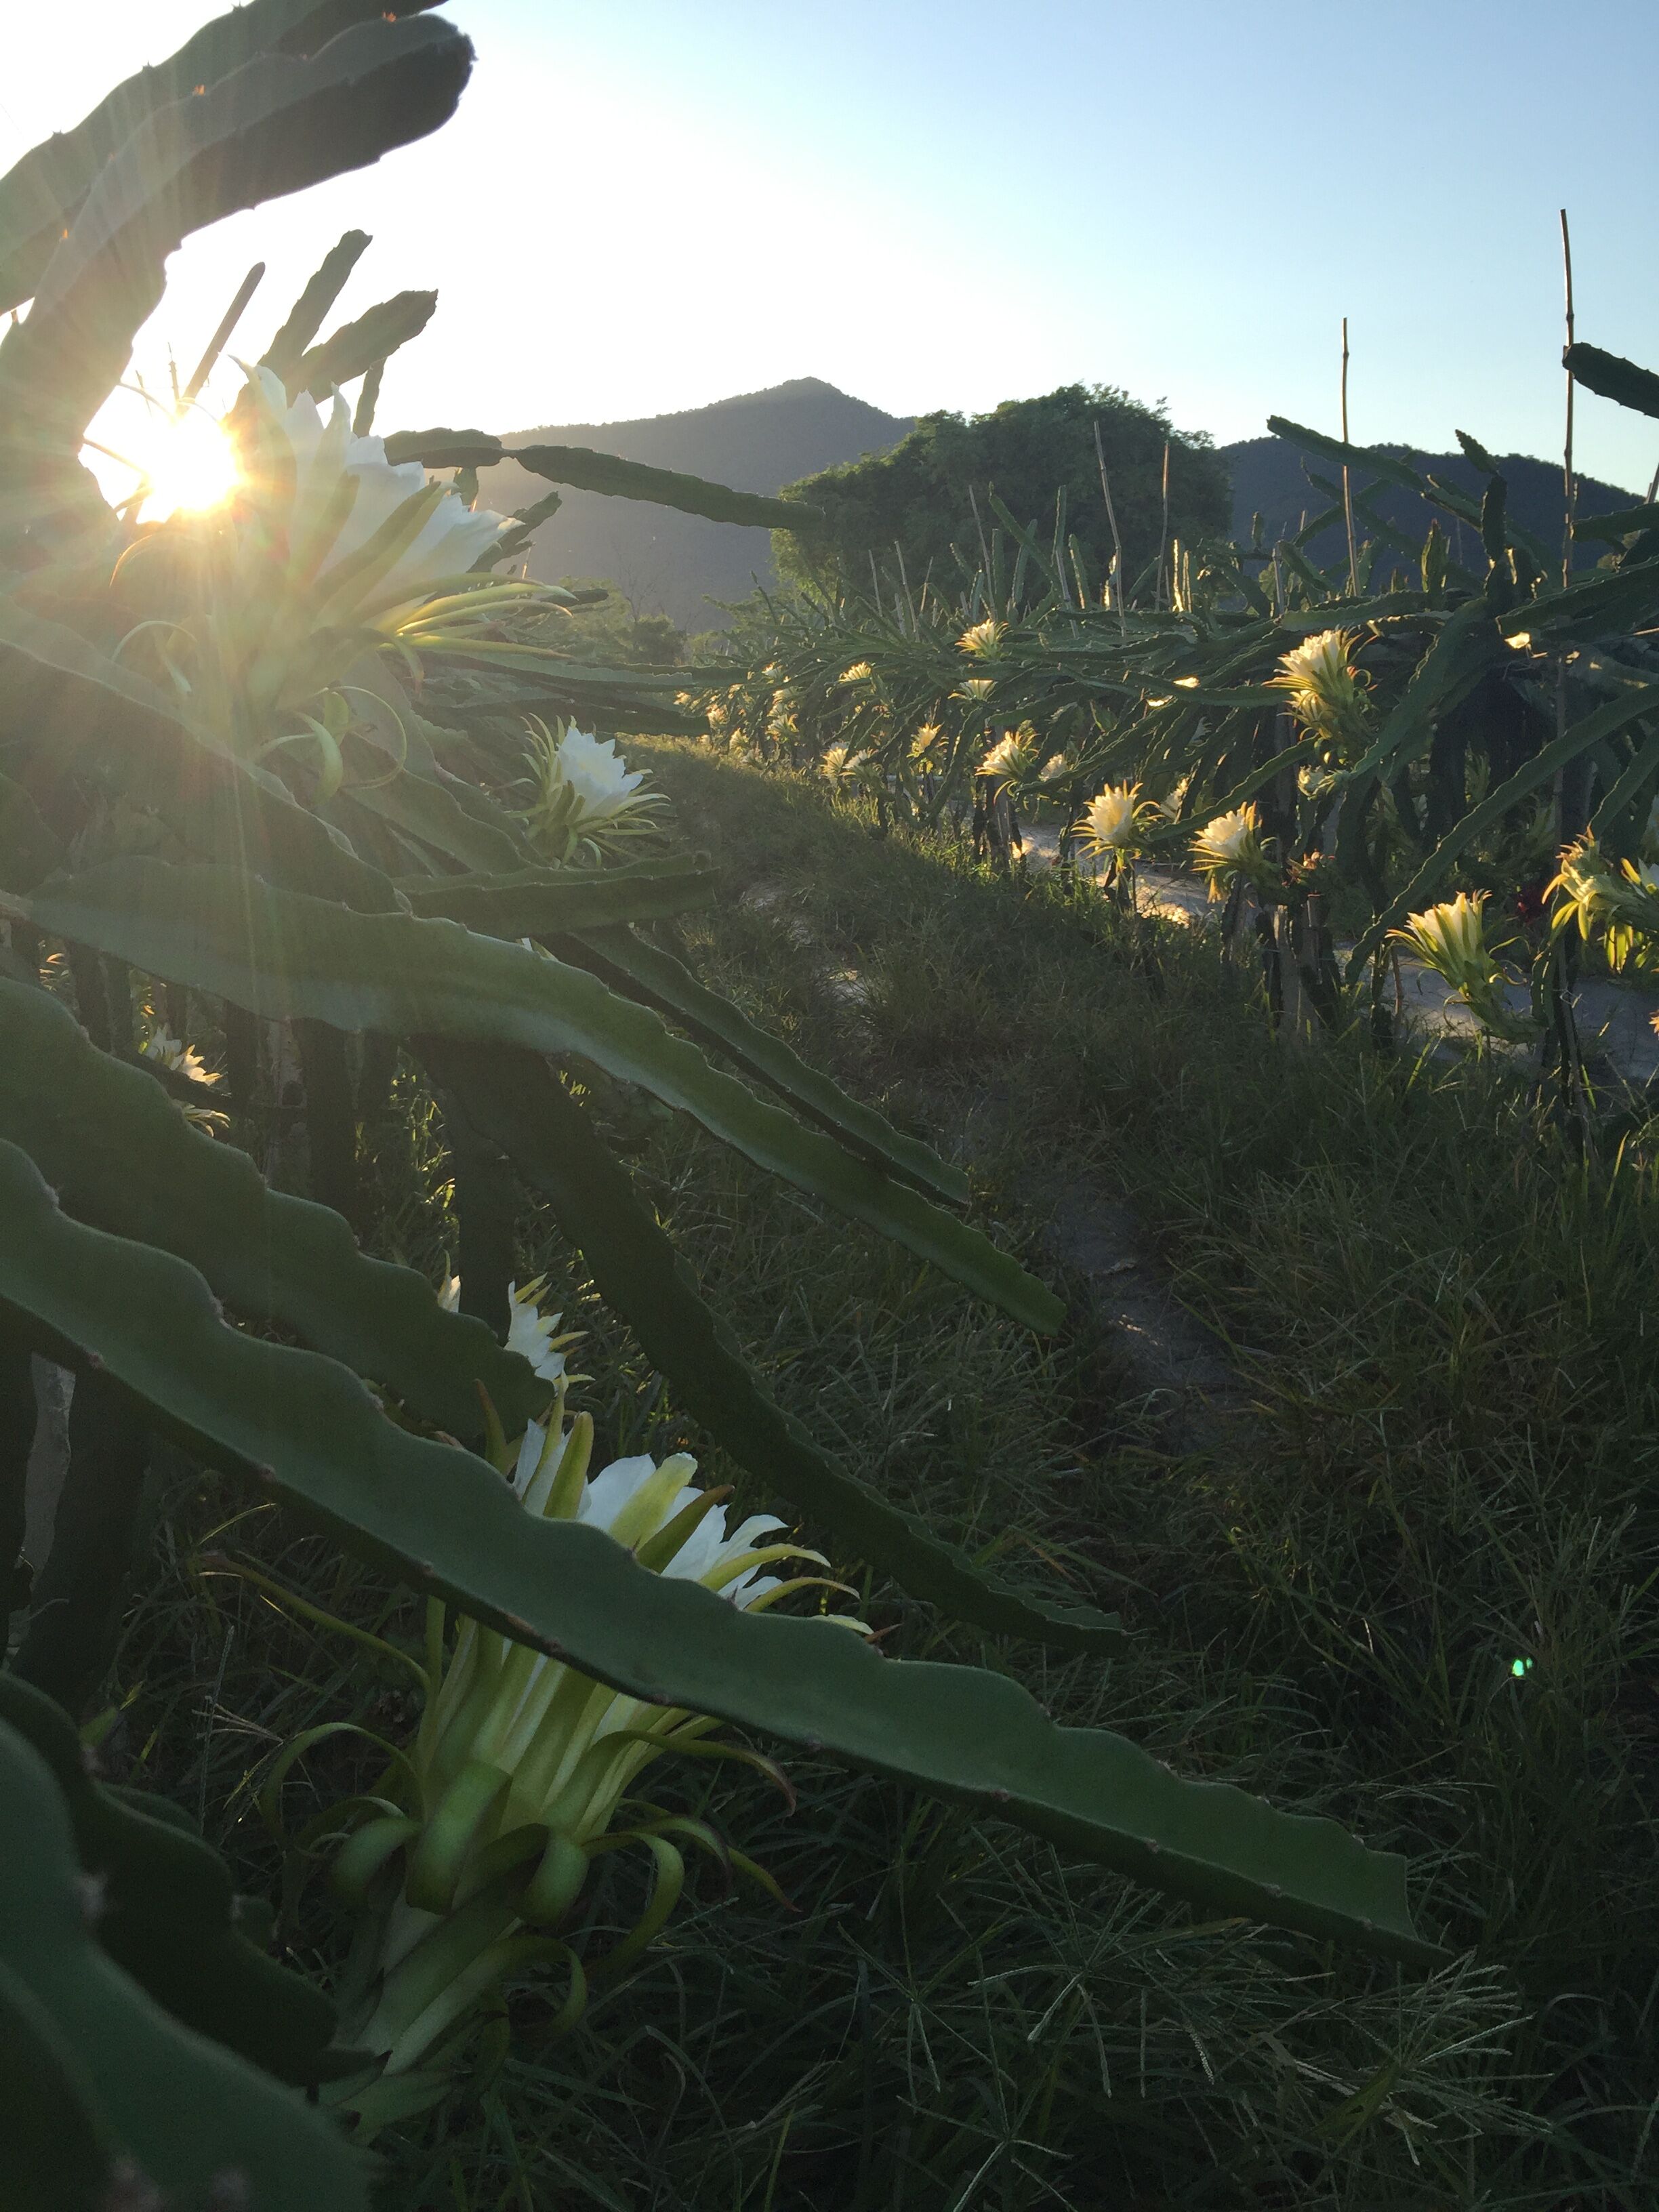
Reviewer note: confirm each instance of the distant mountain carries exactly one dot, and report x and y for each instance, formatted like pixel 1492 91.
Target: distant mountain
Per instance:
pixel 671 563
pixel 1268 480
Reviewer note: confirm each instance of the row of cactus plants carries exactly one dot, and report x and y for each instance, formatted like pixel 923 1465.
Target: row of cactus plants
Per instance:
pixel 307 768
pixel 1341 748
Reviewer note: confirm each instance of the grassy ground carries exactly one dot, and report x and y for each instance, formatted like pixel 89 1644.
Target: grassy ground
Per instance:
pixel 1449 1471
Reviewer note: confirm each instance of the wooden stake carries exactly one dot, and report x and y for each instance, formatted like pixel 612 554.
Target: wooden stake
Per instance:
pixel 1160 596
pixel 984 549
pixel 898 555
pixel 216 344
pixel 1559 790
pixel 1347 488
pixel 1569 490
pixel 1119 577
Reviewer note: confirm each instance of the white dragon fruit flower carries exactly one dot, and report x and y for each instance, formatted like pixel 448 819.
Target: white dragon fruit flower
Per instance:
pixel 587 795
pixel 1229 850
pixel 1110 824
pixel 530 1332
pixel 1451 939
pixel 176 1056
pixel 523 1762
pixel 347 494
pixel 597 773
pixel 1008 761
pixel 983 638
pixel 1327 693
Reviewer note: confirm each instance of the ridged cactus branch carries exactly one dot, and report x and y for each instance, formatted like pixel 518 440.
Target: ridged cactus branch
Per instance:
pixel 590 471
pixel 98 2064
pixel 118 1154
pixel 305 318
pixel 269 128
pixel 357 347
pixel 305 1430
pixel 43 192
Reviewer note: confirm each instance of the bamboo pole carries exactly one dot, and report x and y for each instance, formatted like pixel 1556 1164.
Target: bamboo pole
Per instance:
pixel 1347 487
pixel 1568 487
pixel 216 344
pixel 1558 792
pixel 1160 595
pixel 1120 578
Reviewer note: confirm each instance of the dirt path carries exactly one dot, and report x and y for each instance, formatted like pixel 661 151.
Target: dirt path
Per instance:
pixel 1177 1364
pixel 1615 1020
pixel 1182 1366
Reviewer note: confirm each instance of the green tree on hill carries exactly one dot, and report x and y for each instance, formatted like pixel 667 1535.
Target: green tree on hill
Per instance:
pixel 921 495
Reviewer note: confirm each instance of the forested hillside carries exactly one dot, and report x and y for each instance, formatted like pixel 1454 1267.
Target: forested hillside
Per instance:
pixel 674 564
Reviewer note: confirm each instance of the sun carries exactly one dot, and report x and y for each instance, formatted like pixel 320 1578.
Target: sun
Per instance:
pixel 189 463
pixel 152 463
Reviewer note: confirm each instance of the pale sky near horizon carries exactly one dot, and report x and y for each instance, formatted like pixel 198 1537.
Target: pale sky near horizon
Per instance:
pixel 647 205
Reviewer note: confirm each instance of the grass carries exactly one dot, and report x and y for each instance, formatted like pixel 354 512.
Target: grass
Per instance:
pixel 1448 1469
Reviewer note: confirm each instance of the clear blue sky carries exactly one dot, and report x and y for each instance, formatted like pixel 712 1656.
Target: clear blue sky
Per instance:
pixel 646 206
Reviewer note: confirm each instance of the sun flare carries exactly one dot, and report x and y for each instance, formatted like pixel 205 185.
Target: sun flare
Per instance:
pixel 189 463
pixel 172 463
